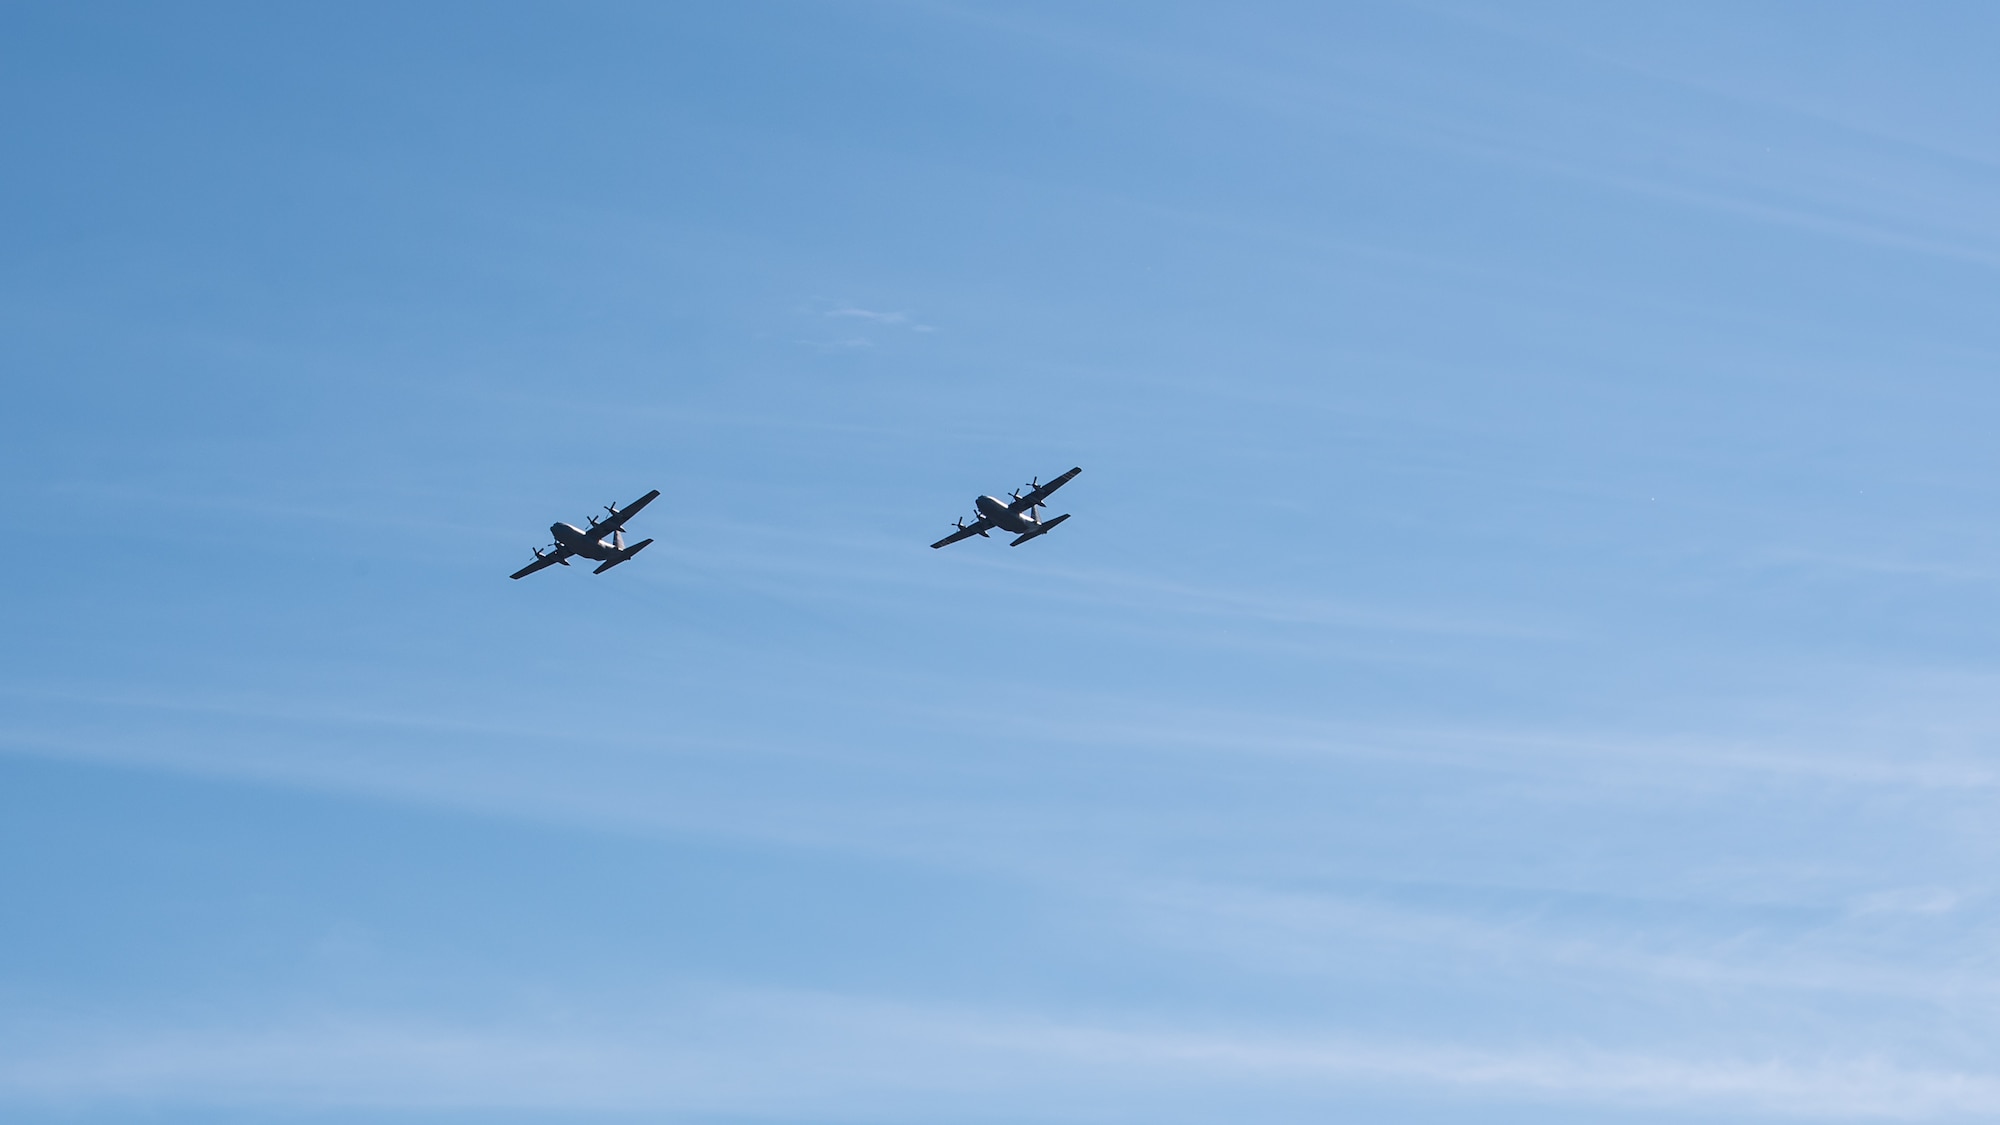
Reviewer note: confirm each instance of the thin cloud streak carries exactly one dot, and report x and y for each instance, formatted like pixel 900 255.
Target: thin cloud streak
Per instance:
pixel 858 1056
pixel 636 781
pixel 886 319
pixel 1314 935
pixel 1608 757
pixel 1316 104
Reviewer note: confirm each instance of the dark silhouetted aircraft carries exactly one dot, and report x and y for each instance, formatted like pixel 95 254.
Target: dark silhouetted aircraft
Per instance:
pixel 1016 517
pixel 602 542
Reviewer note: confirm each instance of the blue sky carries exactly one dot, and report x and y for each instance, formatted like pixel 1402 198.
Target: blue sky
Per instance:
pixel 1523 652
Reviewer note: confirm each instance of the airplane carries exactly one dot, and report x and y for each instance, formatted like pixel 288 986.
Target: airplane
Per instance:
pixel 589 542
pixel 1017 516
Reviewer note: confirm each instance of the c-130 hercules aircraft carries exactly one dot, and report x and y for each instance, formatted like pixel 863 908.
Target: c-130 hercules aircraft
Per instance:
pixel 590 542
pixel 1017 516
pixel 604 542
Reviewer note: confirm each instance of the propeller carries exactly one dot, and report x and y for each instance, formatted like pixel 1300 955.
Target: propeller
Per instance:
pixel 592 519
pixel 1034 486
pixel 612 508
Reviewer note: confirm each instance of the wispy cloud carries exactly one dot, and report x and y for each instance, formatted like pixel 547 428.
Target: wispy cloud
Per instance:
pixel 886 319
pixel 858 327
pixel 1860 186
pixel 1618 944
pixel 760 1054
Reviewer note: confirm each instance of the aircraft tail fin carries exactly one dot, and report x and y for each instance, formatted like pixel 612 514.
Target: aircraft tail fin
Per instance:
pixel 1040 529
pixel 624 555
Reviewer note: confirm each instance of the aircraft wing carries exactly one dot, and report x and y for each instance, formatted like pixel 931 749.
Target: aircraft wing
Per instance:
pixel 550 559
pixel 1041 494
pixel 968 530
pixel 604 527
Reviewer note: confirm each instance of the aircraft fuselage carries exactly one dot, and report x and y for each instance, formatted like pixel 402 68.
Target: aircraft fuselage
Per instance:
pixel 1006 518
pixel 584 542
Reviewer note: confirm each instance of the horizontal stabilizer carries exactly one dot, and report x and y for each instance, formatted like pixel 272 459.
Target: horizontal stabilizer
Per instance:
pixel 622 556
pixel 1041 529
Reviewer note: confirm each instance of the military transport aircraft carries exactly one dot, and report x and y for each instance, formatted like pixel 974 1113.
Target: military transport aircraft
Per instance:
pixel 1017 517
pixel 589 542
